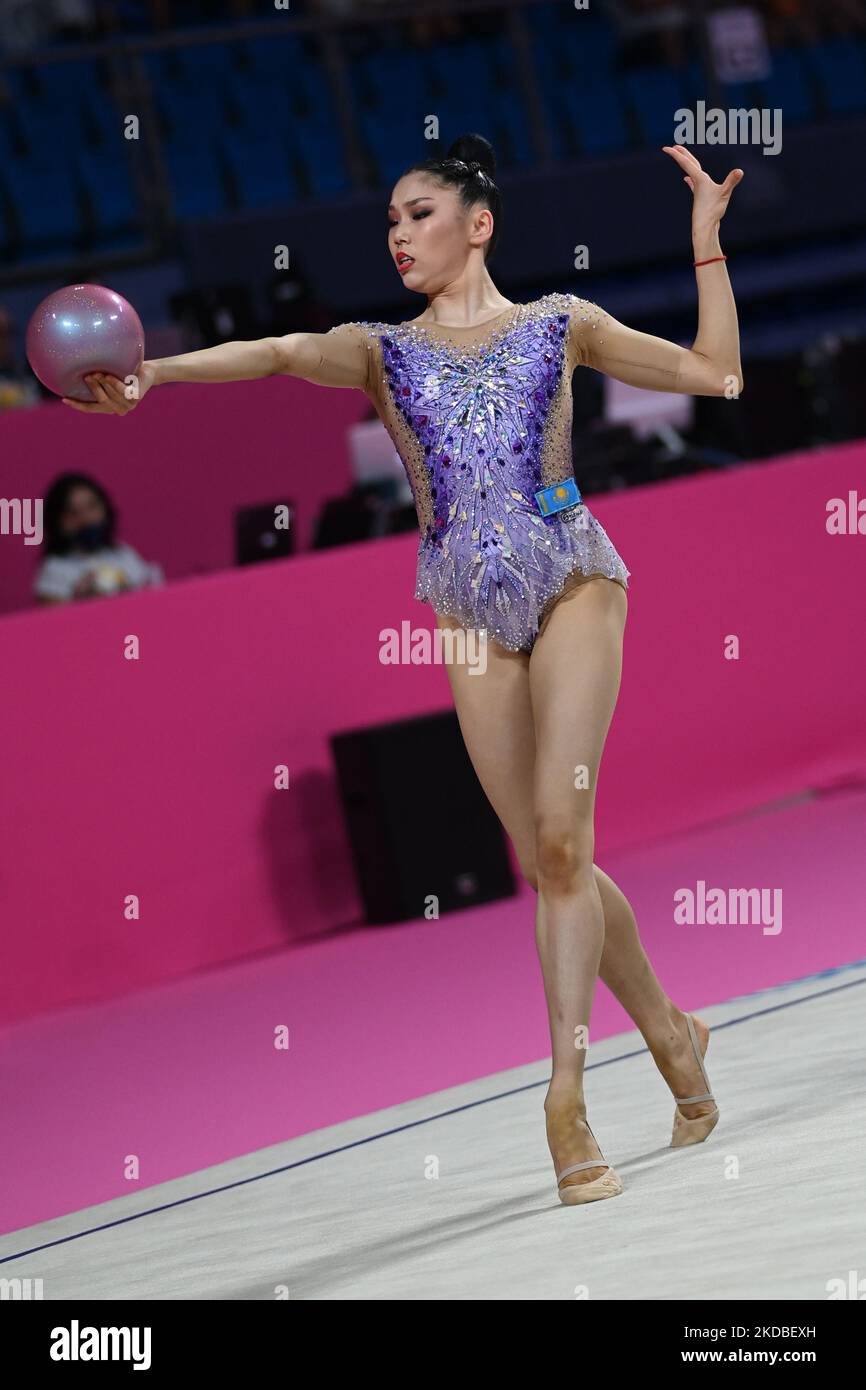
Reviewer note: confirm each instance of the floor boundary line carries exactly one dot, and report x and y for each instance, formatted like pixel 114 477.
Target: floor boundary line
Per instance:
pixel 440 1115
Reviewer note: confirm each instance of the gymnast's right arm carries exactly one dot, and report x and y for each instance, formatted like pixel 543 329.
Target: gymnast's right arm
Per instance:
pixel 338 358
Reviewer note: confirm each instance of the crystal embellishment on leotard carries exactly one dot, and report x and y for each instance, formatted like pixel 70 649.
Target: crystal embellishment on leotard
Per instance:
pixel 481 428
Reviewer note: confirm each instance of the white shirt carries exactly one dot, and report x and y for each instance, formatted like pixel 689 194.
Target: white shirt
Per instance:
pixel 58 575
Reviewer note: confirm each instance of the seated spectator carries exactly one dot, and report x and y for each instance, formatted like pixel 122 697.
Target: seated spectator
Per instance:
pixel 82 557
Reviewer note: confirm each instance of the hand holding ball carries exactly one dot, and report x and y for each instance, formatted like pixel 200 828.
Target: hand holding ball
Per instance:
pixel 83 329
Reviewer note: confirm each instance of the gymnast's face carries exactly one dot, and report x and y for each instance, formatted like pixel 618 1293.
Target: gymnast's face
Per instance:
pixel 431 235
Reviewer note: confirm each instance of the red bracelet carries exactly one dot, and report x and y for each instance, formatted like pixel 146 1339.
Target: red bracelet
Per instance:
pixel 710 260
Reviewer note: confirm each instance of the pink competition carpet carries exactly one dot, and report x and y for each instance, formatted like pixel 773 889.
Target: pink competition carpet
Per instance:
pixel 186 1074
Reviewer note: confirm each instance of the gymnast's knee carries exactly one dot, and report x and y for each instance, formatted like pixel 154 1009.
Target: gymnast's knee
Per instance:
pixel 563 856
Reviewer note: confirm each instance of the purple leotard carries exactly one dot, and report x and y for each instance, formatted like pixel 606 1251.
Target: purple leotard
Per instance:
pixel 481 426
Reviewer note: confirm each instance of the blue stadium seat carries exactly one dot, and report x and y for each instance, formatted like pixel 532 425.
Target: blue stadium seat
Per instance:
pixel 391 127
pixel 575 51
pixel 569 42
pixel 5 230
pixel 394 145
pixel 275 105
pixel 201 63
pixel 187 108
pixel 595 41
pixel 275 54
pixel 260 167
pixel 374 79
pixel 51 104
pixel 107 181
pixel 732 96
pixel 153 63
pixel 7 139
pixel 788 86
pixel 45 200
pixel 390 70
pixel 597 117
pixel 54 83
pixel 102 122
pixel 48 121
pixel 183 95
pixel 254 101
pixel 318 149
pixel 839 67
pixel 510 132
pixel 461 69
pixel 61 100
pixel 286 62
pixel 195 175
pixel 654 94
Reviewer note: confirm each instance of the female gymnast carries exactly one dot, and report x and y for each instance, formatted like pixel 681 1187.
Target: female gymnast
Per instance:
pixel 476 394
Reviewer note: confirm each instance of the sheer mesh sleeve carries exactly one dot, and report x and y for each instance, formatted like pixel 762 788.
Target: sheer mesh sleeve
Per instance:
pixel 340 357
pixel 627 354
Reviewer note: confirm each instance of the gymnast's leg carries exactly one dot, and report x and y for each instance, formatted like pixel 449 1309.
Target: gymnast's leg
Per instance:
pixel 574 679
pixel 495 716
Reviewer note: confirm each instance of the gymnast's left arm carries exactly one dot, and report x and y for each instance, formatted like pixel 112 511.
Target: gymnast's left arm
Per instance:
pixel 711 366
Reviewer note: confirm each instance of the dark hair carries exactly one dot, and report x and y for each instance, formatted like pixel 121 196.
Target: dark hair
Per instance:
pixel 54 505
pixel 470 167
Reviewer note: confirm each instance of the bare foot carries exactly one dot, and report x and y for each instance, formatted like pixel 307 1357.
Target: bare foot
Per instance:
pixel 675 1058
pixel 570 1141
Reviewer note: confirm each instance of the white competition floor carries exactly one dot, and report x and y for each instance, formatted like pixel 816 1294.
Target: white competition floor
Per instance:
pixel 773 1205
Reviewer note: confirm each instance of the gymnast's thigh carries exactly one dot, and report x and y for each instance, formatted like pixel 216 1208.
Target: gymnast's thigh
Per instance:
pixel 575 674
pixel 494 712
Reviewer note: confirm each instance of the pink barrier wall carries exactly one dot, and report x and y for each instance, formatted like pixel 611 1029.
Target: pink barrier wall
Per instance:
pixel 179 467
pixel 155 777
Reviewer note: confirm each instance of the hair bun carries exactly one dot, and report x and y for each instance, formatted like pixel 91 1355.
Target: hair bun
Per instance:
pixel 475 152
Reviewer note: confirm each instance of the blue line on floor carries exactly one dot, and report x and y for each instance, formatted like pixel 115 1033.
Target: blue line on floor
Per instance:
pixel 442 1114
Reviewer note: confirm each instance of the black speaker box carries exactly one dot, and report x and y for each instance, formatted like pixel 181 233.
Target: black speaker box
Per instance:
pixel 419 824
pixel 256 536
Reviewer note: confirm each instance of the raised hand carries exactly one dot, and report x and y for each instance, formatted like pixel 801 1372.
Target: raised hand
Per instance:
pixel 710 199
